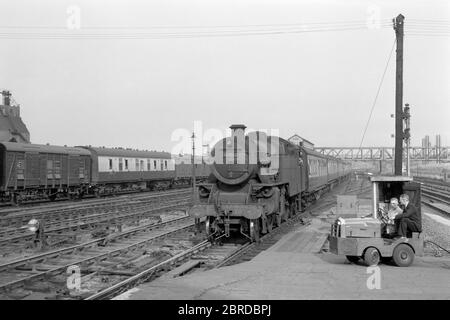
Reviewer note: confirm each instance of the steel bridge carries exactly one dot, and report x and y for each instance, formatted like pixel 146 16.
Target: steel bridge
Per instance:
pixel 441 154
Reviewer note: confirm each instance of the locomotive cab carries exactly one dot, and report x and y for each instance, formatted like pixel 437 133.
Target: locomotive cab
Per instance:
pixel 370 237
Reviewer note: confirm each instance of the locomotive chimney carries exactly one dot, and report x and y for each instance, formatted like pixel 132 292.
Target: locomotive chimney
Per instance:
pixel 238 143
pixel 6 97
pixel 238 130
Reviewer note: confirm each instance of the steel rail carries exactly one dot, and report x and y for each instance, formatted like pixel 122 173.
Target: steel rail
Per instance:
pixel 31 204
pixel 96 257
pixel 89 222
pixel 86 218
pixel 23 217
pixel 131 282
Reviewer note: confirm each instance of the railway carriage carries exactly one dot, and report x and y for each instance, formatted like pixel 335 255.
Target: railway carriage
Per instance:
pixel 317 170
pixel 32 171
pixel 183 173
pixel 35 172
pixel 116 169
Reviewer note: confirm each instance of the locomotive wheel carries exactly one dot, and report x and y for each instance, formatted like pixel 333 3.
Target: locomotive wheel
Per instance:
pixel 403 255
pixel 372 256
pixel 254 230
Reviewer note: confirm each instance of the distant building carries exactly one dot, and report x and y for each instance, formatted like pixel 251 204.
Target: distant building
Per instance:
pixel 12 128
pixel 299 141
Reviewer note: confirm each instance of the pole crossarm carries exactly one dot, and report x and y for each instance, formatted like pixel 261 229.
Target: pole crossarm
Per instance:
pixel 385 153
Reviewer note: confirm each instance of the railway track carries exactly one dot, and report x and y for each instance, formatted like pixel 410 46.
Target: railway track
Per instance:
pixel 204 256
pixel 91 257
pixel 436 196
pixel 59 216
pixel 115 257
pixel 86 198
pixel 89 221
pixel 30 212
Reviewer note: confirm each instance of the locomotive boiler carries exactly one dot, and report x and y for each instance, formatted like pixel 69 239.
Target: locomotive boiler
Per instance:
pixel 259 181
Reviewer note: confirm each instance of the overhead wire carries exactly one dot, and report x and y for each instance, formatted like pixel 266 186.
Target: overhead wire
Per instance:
pixel 377 94
pixel 148 32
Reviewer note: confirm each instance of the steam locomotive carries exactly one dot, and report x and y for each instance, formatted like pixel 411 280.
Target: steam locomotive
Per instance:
pixel 259 181
pixel 33 171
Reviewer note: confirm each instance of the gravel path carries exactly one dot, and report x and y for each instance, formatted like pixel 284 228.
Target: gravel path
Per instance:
pixel 436 232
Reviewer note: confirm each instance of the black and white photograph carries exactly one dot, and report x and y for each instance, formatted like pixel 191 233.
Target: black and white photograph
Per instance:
pixel 225 156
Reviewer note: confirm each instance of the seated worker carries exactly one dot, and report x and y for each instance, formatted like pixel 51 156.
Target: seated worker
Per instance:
pixel 394 209
pixel 409 220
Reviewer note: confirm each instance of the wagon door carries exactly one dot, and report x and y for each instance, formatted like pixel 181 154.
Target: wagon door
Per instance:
pixel 50 167
pixel 74 171
pixel 20 170
pixel 83 173
pixel 65 179
pixel 57 163
pixel 32 167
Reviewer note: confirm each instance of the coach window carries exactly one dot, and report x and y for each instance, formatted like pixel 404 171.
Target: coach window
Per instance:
pixel 154 164
pixel 110 164
pixel 148 165
pixel 137 164
pixel 126 164
pixel 165 164
pixel 162 168
pixel 142 165
pixel 120 164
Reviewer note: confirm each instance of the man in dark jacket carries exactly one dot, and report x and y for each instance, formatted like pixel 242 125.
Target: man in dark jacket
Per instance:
pixel 409 220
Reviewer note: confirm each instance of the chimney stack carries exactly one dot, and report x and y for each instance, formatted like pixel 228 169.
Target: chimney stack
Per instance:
pixel 6 97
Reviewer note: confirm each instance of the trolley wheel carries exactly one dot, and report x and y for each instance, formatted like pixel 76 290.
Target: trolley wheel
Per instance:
pixel 353 259
pixel 371 256
pixel 403 255
pixel 254 230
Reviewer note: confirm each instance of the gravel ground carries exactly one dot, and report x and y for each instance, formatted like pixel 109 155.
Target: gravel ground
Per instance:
pixel 436 232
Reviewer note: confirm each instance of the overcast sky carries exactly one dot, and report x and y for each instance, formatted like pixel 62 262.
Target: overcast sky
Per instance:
pixel 135 93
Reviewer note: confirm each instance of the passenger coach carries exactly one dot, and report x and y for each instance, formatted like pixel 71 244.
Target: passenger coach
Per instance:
pixel 120 169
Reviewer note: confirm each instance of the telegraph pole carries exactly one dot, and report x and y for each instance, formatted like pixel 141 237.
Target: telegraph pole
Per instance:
pixel 398 27
pixel 197 220
pixel 193 167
